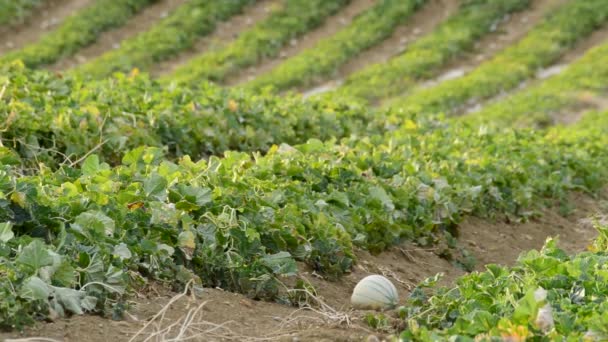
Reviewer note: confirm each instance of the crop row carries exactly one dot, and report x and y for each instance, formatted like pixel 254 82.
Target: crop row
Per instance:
pixel 50 118
pixel 321 60
pixel 265 39
pixel 170 36
pixel 77 31
pixel 542 46
pixel 424 56
pixel 548 295
pixel 14 10
pixel 241 221
pixel 537 104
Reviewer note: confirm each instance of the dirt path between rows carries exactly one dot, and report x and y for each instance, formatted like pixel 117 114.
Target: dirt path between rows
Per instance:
pixel 588 101
pixel 509 31
pixel 224 33
pixel 109 40
pixel 224 316
pixel 43 19
pixel 419 24
pixel 331 25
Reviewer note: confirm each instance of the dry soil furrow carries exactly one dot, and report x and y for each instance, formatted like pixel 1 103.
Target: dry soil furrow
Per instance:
pixel 225 32
pixel 513 28
pixel 420 23
pixel 243 319
pixel 587 101
pixel 598 37
pixel 331 25
pixel 109 40
pixel 43 19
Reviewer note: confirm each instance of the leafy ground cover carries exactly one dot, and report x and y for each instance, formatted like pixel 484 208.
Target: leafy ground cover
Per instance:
pixel 421 59
pixel 15 10
pixel 108 185
pixel 536 105
pixel 74 239
pixel 77 31
pixel 264 40
pixel 367 29
pixel 170 36
pixel 67 117
pixel 541 47
pixel 547 296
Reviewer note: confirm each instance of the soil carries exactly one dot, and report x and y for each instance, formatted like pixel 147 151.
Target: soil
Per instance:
pixel 332 25
pixel 418 25
pixel 587 102
pixel 508 31
pixel 225 316
pixel 109 40
pixel 511 29
pixel 45 18
pixel 224 33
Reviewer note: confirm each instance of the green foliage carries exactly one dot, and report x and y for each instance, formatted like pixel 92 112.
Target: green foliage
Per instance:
pixel 422 57
pixel 66 117
pixel 547 296
pixel 77 31
pixel 170 36
pixel 241 222
pixel 542 46
pixel 537 105
pixel 289 20
pixel 12 11
pixel 321 60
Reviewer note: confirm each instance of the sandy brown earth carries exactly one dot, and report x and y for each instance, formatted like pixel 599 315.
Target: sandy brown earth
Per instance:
pixel 420 23
pixel 109 40
pixel 587 101
pixel 508 31
pixel 43 19
pixel 511 29
pixel 331 25
pixel 216 315
pixel 224 33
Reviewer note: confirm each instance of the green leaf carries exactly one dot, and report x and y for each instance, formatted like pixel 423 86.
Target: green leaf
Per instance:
pixel 64 274
pixel 6 232
pixel 186 240
pixel 35 255
pixel 35 288
pixel 70 300
pixel 281 263
pixel 381 195
pixel 94 222
pixel 155 187
pixel 90 167
pixel 189 197
pixel 89 303
pixel 122 251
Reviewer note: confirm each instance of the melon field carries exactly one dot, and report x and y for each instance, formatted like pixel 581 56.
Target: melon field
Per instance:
pixel 232 170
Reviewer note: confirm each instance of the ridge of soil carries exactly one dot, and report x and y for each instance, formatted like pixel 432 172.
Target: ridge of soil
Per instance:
pixel 331 25
pixel 420 23
pixel 233 317
pixel 43 19
pixel 508 30
pixel 571 114
pixel 111 39
pixel 225 32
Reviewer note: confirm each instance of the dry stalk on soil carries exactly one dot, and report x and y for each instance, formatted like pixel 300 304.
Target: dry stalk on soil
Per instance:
pixel 31 339
pixel 192 326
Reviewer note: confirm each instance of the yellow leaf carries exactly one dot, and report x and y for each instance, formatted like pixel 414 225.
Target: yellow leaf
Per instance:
pixel 19 198
pixel 409 124
pixel 134 72
pixel 233 106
